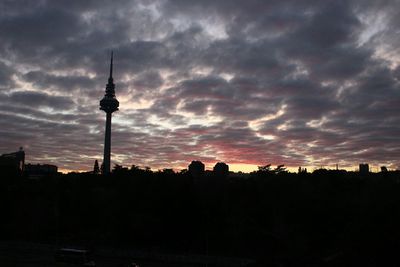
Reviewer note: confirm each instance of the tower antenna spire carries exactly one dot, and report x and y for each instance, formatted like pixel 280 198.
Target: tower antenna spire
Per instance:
pixel 111 64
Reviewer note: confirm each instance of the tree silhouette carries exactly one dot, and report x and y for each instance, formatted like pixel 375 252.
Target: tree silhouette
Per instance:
pixel 265 169
pixel 280 169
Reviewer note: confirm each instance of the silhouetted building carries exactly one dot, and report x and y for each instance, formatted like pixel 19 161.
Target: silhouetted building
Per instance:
pixel 363 168
pixel 14 162
pixel 384 169
pixel 108 104
pixel 96 168
pixel 221 169
pixel 301 170
pixel 35 171
pixel 196 168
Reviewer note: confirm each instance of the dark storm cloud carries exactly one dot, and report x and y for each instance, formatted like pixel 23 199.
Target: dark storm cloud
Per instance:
pixel 220 97
pixel 148 80
pixel 288 82
pixel 36 99
pixel 246 57
pixel 44 80
pixel 334 24
pixel 326 43
pixel 36 32
pixel 33 112
pixel 5 75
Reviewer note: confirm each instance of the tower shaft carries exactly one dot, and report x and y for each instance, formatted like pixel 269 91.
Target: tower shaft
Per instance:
pixel 107 145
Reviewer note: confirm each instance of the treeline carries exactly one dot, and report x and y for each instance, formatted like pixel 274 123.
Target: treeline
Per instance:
pixel 324 218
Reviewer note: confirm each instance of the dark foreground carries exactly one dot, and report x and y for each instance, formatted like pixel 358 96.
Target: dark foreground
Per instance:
pixel 327 218
pixel 26 254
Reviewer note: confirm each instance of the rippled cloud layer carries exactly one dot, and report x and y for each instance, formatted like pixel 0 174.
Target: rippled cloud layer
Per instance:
pixel 300 83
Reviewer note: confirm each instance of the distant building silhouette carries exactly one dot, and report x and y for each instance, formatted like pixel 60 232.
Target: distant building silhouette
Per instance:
pixel 196 168
pixel 302 170
pixel 108 104
pixel 35 171
pixel 384 169
pixel 363 168
pixel 13 161
pixel 96 168
pixel 221 169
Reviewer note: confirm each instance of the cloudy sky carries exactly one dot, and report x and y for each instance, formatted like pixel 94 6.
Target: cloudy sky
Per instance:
pixel 301 83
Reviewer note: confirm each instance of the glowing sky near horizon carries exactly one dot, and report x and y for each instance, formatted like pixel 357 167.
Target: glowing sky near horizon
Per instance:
pixel 301 83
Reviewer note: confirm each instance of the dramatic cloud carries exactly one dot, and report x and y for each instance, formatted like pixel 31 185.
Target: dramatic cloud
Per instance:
pixel 310 83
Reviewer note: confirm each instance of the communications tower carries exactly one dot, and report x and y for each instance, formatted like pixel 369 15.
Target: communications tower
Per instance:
pixel 108 104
